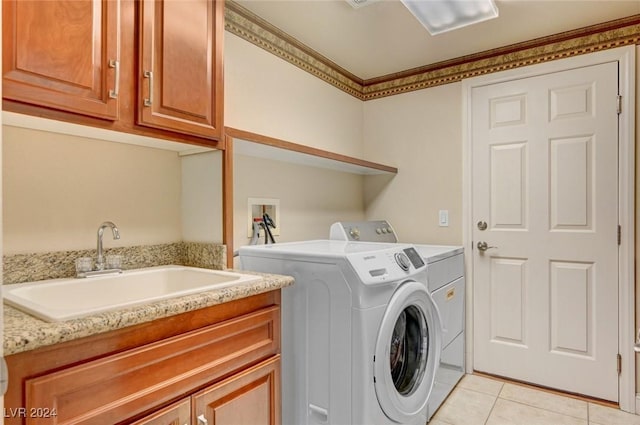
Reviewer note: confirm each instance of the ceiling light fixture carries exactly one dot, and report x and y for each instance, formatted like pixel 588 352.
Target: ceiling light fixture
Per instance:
pixel 357 4
pixel 439 16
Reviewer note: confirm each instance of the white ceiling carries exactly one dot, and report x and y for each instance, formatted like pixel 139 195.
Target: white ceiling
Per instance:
pixel 384 37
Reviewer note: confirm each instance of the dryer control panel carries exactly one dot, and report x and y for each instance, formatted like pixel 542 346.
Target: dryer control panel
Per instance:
pixel 370 231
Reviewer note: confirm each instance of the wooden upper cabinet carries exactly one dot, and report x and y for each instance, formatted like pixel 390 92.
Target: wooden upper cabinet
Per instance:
pixel 180 71
pixel 62 54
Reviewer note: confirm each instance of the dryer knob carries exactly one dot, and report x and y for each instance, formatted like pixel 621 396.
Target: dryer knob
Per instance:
pixel 403 261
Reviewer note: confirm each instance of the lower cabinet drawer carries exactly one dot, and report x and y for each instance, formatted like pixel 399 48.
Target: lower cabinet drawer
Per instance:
pixel 121 386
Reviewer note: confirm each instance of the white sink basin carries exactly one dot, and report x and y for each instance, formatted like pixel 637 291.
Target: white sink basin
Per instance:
pixel 62 299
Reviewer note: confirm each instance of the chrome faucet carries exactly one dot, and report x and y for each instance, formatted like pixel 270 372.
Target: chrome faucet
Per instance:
pixel 116 235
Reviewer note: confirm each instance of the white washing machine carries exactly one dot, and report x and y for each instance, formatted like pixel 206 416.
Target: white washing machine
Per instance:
pixel 445 280
pixel 360 338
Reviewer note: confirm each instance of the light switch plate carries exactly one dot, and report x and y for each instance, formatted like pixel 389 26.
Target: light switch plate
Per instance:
pixel 443 218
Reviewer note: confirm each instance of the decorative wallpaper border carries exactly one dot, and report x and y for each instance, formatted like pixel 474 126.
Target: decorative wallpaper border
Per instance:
pixel 245 24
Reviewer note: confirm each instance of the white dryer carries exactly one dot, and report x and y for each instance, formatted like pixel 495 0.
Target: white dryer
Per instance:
pixel 360 338
pixel 446 283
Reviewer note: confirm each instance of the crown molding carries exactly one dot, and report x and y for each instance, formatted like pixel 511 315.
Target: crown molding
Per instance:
pixel 571 43
pixel 245 24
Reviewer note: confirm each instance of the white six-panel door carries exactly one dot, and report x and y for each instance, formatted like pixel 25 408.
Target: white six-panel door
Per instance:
pixel 545 175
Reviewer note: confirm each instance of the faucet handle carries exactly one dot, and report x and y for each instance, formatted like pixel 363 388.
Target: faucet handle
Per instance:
pixel 113 261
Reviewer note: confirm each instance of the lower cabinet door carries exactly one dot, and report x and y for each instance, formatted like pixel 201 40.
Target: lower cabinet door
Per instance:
pixel 177 414
pixel 251 397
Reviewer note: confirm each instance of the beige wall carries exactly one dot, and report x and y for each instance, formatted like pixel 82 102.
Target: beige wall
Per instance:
pixel 421 134
pixel 311 199
pixel 201 197
pixel 266 95
pixel 58 189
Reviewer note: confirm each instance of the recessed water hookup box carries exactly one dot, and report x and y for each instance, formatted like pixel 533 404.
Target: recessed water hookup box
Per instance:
pixel 259 206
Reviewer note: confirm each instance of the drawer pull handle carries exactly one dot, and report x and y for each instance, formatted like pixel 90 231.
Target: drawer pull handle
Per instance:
pixel 113 94
pixel 202 420
pixel 149 100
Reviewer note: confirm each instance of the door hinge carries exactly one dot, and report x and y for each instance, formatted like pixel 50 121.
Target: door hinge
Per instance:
pixel 619 363
pixel 619 104
pixel 619 235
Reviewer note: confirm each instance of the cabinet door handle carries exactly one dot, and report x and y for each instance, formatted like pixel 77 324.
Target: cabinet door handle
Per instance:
pixel 202 420
pixel 149 100
pixel 113 94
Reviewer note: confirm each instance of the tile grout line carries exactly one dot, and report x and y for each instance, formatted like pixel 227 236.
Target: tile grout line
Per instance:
pixel 546 390
pixel 570 396
pixel 494 404
pixel 544 409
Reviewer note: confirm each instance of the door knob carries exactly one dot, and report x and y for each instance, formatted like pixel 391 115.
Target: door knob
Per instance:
pixel 482 246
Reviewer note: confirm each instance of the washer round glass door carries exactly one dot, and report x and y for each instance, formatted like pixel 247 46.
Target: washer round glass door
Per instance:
pixel 407 352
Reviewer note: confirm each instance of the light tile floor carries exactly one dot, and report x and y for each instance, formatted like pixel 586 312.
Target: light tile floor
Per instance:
pixel 478 400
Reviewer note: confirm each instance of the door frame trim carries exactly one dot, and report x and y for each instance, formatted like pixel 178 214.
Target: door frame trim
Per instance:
pixel 626 57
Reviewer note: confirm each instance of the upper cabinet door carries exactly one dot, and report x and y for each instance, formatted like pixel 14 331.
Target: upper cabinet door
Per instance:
pixel 180 71
pixel 62 54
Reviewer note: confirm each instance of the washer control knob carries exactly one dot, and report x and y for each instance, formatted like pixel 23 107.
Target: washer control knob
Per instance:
pixel 378 230
pixel 403 261
pixel 355 233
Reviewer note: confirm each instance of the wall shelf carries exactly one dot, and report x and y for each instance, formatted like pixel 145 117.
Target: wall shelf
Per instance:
pixel 251 144
pixel 256 145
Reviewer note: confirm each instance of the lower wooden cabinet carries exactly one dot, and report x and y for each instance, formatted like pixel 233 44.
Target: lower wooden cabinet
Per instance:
pixel 251 397
pixel 248 398
pixel 175 414
pixel 222 368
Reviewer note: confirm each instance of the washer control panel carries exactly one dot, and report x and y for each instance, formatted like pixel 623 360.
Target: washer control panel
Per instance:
pixel 415 258
pixel 388 264
pixel 403 261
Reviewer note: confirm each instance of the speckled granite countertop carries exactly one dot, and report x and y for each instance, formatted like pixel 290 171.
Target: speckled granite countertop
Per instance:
pixel 23 332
